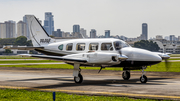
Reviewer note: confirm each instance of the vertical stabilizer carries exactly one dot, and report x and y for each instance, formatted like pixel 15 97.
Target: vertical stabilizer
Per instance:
pixel 38 35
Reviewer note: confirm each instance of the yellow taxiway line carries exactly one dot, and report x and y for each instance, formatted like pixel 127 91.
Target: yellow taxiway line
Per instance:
pixel 94 92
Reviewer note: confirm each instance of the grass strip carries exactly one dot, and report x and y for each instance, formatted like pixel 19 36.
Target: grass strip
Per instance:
pixel 15 57
pixel 161 67
pixel 27 61
pixel 25 95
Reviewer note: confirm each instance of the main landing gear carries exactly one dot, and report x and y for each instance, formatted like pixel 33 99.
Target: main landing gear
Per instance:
pixel 143 78
pixel 78 78
pixel 126 75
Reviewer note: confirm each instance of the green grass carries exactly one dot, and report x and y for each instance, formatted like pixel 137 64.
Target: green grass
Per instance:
pixel 14 57
pixel 175 55
pixel 27 61
pixel 173 67
pixel 25 95
pixel 174 59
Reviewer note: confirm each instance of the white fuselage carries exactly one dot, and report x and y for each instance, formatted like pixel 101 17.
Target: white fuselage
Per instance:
pixel 100 51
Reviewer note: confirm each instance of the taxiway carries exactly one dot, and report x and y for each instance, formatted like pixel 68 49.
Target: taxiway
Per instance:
pixel 159 86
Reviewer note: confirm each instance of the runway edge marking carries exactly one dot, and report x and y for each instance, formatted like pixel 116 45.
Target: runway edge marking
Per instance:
pixel 94 92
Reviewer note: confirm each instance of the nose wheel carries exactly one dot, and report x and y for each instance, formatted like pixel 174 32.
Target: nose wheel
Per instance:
pixel 143 78
pixel 126 75
pixel 78 79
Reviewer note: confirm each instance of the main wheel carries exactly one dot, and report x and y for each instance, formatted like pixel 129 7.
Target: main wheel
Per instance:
pixel 143 79
pixel 126 75
pixel 78 79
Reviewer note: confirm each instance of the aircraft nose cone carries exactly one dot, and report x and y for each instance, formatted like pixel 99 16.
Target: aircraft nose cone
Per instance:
pixel 145 55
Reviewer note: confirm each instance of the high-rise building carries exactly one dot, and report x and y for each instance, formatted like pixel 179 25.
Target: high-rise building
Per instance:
pixel 83 32
pixel 93 33
pixel 76 29
pixel 21 29
pixel 144 31
pixel 178 38
pixel 49 23
pixel 27 29
pixel 107 33
pixel 2 30
pixel 10 29
pixel 57 33
pixel 172 38
pixel 159 37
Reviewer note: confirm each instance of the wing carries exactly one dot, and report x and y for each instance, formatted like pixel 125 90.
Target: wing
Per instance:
pixel 65 59
pixel 23 48
pixel 87 58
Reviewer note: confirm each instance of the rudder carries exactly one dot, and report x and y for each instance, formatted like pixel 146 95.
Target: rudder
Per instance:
pixel 38 35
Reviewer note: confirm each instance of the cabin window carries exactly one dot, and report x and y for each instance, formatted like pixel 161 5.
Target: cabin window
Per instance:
pixel 80 46
pixel 106 46
pixel 60 47
pixel 93 46
pixel 69 46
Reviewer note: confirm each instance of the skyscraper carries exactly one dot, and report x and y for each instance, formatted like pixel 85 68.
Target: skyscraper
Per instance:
pixel 107 33
pixel 49 23
pixel 144 31
pixel 93 33
pixel 76 29
pixel 21 29
pixel 57 33
pixel 83 32
pixel 10 29
pixel 27 29
pixel 2 30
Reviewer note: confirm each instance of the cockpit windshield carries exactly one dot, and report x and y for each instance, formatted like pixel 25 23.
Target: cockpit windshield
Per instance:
pixel 120 44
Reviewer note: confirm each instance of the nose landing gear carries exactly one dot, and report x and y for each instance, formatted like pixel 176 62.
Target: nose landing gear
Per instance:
pixel 143 78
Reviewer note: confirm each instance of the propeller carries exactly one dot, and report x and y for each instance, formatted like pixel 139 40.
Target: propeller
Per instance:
pixel 167 63
pixel 121 57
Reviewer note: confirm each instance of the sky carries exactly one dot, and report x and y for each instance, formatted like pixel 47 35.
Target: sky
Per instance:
pixel 121 17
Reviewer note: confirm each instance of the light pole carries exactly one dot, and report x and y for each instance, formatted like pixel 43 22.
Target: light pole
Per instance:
pixel 164 47
pixel 174 47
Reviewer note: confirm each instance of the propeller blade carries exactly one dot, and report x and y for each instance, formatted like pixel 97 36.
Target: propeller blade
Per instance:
pixel 167 64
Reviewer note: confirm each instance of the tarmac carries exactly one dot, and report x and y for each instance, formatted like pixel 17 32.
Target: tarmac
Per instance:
pixel 160 85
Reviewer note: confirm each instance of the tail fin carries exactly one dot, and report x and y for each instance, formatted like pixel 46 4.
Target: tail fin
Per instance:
pixel 38 35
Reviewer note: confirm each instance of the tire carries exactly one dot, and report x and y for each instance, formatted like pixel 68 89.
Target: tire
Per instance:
pixel 144 79
pixel 127 76
pixel 78 79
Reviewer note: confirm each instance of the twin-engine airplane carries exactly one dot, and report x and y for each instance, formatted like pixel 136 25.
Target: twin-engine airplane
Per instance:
pixel 107 52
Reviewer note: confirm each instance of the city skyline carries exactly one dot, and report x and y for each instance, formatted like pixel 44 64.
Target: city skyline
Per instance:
pixel 121 17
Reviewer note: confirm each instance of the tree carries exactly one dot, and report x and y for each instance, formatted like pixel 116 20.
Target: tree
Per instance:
pixel 21 40
pixel 148 45
pixel 8 51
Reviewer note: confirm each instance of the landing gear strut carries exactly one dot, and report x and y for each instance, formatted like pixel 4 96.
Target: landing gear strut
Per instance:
pixel 78 78
pixel 126 75
pixel 143 78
